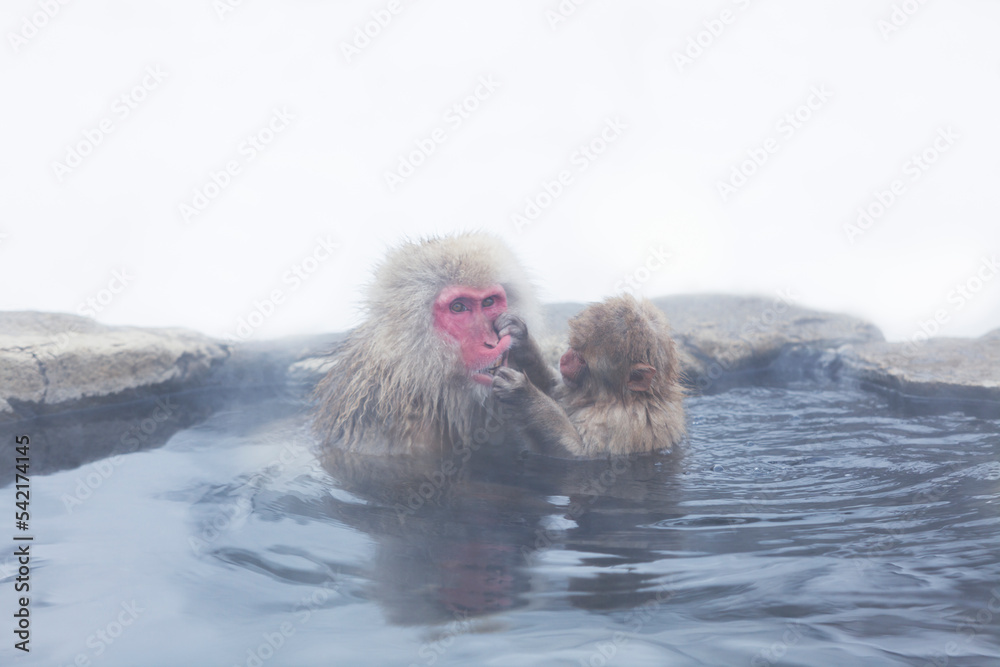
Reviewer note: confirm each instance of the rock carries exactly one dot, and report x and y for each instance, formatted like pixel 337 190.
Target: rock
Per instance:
pixel 953 368
pixel 307 372
pixel 94 391
pixel 52 362
pixel 555 316
pixel 273 365
pixel 721 336
pixel 726 334
pixel 69 439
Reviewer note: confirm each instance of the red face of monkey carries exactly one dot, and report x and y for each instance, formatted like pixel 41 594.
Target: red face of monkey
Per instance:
pixel 466 315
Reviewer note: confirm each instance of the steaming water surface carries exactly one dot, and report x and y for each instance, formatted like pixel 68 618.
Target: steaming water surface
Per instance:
pixel 796 527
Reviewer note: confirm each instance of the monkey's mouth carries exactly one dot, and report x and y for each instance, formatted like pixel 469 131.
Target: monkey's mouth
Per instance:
pixel 486 375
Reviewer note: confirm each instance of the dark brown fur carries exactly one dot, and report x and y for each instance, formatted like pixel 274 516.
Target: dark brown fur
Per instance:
pixel 626 400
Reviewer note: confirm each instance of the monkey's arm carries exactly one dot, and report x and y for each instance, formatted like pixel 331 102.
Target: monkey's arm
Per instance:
pixel 525 355
pixel 543 423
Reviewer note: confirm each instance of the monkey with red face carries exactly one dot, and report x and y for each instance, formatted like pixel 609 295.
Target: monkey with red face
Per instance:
pixel 621 391
pixel 443 316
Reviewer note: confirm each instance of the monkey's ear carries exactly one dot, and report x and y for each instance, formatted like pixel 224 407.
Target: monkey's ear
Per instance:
pixel 640 377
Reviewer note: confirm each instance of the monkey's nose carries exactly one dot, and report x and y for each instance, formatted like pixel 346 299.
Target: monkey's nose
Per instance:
pixel 490 339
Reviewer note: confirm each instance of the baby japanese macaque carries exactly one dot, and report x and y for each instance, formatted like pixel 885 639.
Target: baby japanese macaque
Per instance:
pixel 620 391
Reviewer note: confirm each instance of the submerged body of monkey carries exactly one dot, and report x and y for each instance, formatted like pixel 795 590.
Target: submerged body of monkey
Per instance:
pixel 621 391
pixel 443 316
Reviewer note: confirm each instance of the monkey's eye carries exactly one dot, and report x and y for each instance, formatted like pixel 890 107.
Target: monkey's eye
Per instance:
pixel 488 301
pixel 458 307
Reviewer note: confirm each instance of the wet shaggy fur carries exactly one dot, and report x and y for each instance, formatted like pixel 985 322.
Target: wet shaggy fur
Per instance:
pixel 610 418
pixel 395 385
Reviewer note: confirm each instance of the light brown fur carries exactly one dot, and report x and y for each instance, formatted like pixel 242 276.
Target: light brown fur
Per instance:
pixel 599 414
pixel 395 386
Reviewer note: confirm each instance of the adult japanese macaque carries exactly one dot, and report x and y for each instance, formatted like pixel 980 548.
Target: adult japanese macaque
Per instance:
pixel 621 391
pixel 443 315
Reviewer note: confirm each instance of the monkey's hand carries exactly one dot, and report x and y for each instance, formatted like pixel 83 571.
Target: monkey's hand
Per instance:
pixel 525 354
pixel 511 386
pixel 541 421
pixel 513 326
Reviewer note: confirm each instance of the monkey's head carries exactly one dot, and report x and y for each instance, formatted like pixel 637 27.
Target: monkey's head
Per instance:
pixel 440 297
pixel 620 347
pixel 415 374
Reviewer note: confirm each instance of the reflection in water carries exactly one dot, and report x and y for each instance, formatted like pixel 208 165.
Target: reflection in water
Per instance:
pixel 459 545
pixel 457 538
pixel 803 527
pixel 67 440
pixel 446 543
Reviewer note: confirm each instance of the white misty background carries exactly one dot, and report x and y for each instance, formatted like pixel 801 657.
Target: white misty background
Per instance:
pixel 200 77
